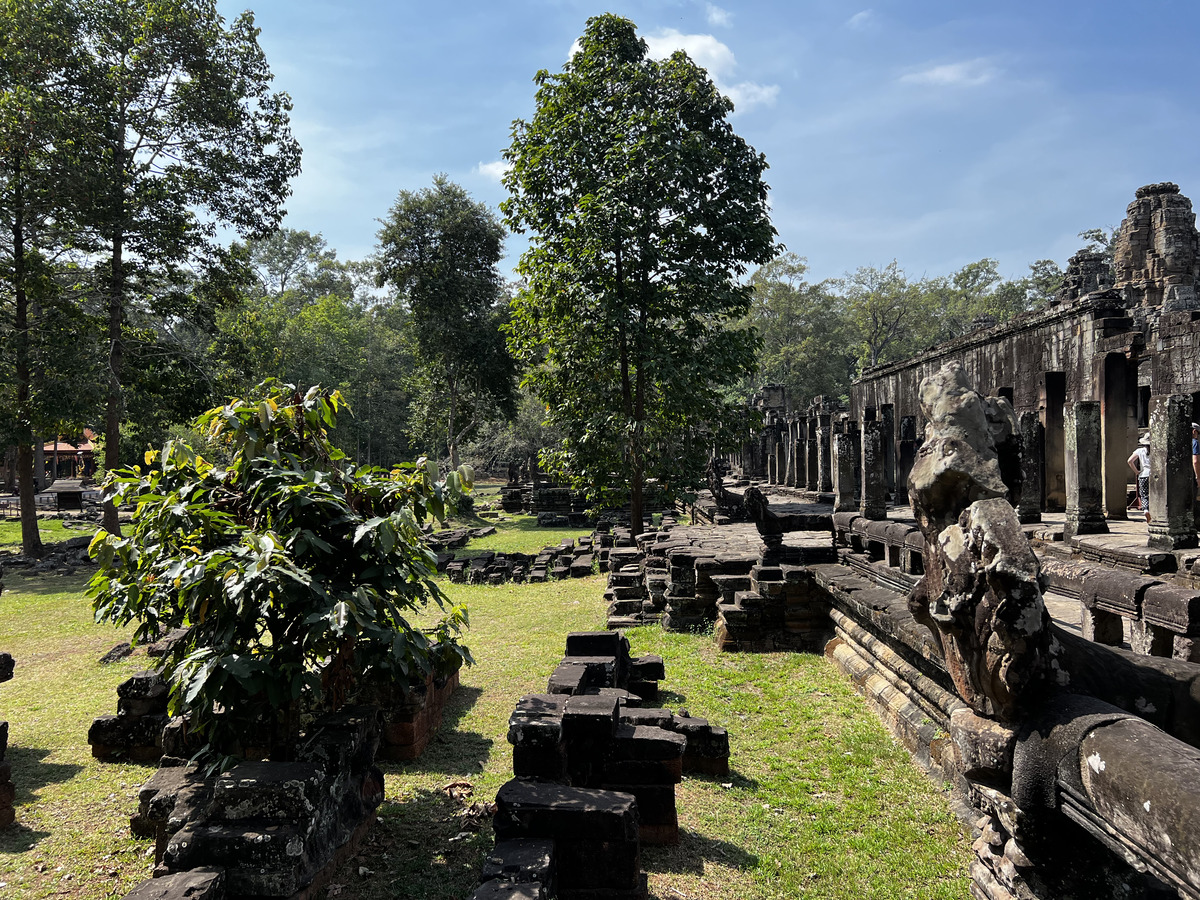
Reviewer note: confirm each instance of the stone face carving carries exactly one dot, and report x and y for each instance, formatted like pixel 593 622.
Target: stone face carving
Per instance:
pixel 980 594
pixel 1156 255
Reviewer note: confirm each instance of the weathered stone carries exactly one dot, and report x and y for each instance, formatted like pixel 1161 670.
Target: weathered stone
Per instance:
pixel 1084 474
pixel 1172 486
pixel 522 862
pixel 196 884
pixel 873 503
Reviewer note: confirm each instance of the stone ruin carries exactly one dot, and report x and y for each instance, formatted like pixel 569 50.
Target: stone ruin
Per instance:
pixel 1156 255
pixel 1075 762
pixel 595 775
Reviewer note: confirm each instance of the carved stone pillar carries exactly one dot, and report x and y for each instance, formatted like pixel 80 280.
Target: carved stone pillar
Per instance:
pixel 1172 520
pixel 908 453
pixel 824 462
pixel 1029 504
pixel 873 503
pixel 887 422
pixel 845 474
pixel 813 482
pixel 1084 470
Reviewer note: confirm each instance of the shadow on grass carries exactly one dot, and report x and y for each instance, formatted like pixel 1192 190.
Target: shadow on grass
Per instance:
pixel 452 751
pixel 41 585
pixel 31 772
pixel 670 700
pixel 692 852
pixel 20 838
pixel 427 846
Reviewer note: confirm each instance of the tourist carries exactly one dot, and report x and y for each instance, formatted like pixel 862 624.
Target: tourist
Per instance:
pixel 1139 461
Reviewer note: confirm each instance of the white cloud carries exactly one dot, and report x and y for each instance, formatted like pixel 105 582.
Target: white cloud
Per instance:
pixel 705 50
pixel 971 73
pixel 494 170
pixel 860 19
pixel 717 17
pixel 747 95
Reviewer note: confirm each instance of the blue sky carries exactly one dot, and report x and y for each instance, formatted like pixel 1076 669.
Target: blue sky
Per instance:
pixel 935 133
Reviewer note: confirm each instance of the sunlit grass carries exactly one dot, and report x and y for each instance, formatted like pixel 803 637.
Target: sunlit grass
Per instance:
pixel 49 529
pixel 821 802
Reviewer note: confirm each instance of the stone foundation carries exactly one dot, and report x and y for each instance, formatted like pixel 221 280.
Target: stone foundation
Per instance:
pixel 264 829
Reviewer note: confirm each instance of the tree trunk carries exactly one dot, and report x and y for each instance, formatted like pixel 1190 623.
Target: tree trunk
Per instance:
pixel 31 540
pixel 116 348
pixel 451 433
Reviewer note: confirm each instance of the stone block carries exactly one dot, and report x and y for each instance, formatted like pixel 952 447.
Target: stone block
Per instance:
pixel 647 668
pixel 196 884
pixel 597 643
pixel 137 738
pixel 589 718
pixel 522 862
pixel 595 834
pixel 1173 608
pixel 1116 592
pixel 567 679
pixel 267 791
pixel 511 890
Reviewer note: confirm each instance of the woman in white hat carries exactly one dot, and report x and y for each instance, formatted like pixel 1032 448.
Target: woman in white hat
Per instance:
pixel 1139 461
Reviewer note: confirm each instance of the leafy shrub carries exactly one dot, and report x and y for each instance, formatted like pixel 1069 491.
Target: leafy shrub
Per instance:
pixel 294 571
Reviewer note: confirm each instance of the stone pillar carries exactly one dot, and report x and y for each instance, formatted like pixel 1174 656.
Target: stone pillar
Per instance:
pixel 1117 442
pixel 873 503
pixel 845 475
pixel 887 421
pixel 824 462
pixel 908 455
pixel 813 482
pixel 1029 504
pixel 789 450
pixel 780 453
pixel 1172 521
pixel 1084 472
pixel 801 454
pixel 1101 626
pixel 771 443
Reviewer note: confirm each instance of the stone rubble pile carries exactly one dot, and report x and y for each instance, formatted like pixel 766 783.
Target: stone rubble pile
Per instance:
pixel 570 559
pixel 135 733
pixel 595 777
pixel 61 558
pixel 263 829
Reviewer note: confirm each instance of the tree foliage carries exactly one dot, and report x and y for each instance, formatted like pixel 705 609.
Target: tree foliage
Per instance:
pixel 806 343
pixel 42 191
pixel 188 135
pixel 644 209
pixel 439 249
pixel 292 569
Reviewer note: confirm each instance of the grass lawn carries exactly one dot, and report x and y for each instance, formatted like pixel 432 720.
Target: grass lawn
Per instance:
pixel 821 802
pixel 51 530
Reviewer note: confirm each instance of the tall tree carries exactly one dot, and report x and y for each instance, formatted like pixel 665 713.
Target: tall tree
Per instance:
pixel 439 249
pixel 41 194
pixel 191 137
pixel 805 345
pixel 645 208
pixel 886 313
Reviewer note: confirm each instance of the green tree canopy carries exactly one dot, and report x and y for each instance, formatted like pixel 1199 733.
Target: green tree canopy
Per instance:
pixel 188 136
pixel 439 250
pixel 43 189
pixel 644 209
pixel 805 339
